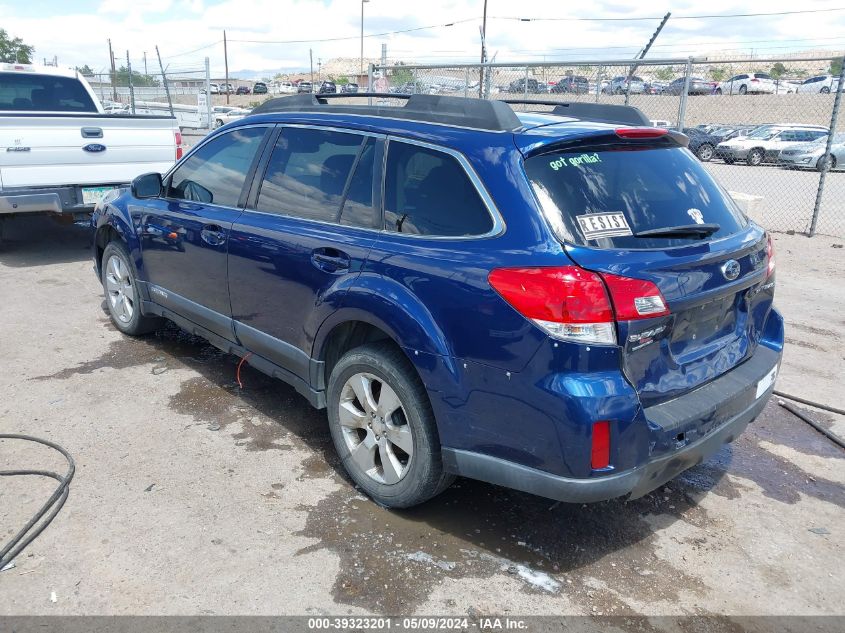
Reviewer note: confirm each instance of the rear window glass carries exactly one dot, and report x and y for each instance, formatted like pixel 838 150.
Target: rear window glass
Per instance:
pixel 43 93
pixel 604 198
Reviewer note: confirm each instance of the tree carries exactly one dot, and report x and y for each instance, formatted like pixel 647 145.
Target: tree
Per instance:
pixel 14 50
pixel 718 73
pixel 85 70
pixel 778 70
pixel 665 73
pixel 121 78
pixel 401 76
pixel 835 66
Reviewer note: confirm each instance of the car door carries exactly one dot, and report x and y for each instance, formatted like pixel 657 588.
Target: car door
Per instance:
pixel 307 230
pixel 184 233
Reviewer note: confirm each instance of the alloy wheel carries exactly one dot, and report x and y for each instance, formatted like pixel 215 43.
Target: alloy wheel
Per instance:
pixel 120 290
pixel 375 428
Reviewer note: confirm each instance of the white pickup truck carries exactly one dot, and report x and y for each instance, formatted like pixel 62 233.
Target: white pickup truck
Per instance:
pixel 60 153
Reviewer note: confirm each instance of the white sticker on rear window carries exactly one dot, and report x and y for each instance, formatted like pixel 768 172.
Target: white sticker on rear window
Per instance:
pixel 595 226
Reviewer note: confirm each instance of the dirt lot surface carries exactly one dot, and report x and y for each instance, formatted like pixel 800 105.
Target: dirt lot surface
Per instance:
pixel 193 496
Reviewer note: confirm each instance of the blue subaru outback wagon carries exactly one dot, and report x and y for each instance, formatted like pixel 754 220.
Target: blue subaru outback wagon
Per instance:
pixel 561 302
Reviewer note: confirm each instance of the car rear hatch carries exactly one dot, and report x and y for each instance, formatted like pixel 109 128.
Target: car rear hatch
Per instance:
pixel 635 204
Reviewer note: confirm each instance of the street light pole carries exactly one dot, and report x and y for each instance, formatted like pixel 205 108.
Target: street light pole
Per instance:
pixel 361 69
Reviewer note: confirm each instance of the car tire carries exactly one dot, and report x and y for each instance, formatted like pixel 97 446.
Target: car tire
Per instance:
pixel 123 297
pixel 395 474
pixel 705 152
pixel 718 91
pixel 755 157
pixel 218 123
pixel 825 90
pixel 743 89
pixel 831 162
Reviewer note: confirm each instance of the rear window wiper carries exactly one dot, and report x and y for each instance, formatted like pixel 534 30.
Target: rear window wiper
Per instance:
pixel 684 230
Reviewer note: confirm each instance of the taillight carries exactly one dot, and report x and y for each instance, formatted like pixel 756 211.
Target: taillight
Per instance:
pixel 572 304
pixel 640 132
pixel 568 302
pixel 177 137
pixel 600 454
pixel 755 81
pixel 634 298
pixel 770 256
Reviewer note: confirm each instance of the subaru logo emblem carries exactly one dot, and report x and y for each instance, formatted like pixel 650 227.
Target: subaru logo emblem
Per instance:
pixel 730 269
pixel 94 147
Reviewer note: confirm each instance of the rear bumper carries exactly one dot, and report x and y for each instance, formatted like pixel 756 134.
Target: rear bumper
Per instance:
pixel 62 200
pixel 734 393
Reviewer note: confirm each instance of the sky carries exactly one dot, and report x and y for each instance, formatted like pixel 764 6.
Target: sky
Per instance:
pixel 276 35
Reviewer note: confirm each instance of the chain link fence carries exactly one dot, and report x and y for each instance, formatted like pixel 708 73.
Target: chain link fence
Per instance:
pixel 760 126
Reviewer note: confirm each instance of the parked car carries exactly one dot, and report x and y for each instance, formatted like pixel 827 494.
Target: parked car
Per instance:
pixel 703 143
pixel 572 84
pixel 327 87
pixel 222 109
pixel 819 84
pixel 214 88
pixel 812 155
pixel 304 87
pixel 227 88
pixel 62 153
pixel 350 88
pixel 242 90
pixel 748 83
pixel 765 143
pixel 619 85
pixel 533 86
pixel 259 88
pixel 655 87
pixel 697 86
pixel 234 114
pixel 582 344
pixel 285 87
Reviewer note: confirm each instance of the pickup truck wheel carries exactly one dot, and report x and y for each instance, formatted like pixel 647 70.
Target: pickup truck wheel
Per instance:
pixel 383 427
pixel 123 298
pixel 755 157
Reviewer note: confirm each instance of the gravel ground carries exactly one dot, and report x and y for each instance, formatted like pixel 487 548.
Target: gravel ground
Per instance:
pixel 193 496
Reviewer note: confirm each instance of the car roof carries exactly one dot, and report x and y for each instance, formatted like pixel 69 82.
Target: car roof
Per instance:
pixel 528 131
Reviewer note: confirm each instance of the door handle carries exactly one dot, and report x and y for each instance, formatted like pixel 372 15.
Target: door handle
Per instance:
pixel 330 260
pixel 92 132
pixel 213 234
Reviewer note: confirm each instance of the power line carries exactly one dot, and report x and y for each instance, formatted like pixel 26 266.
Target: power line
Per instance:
pixel 215 43
pixel 660 17
pixel 355 37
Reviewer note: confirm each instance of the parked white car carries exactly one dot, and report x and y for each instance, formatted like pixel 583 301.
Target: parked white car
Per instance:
pixel 750 83
pixel 819 83
pixel 764 144
pixel 285 87
pixel 61 152
pixel 213 89
pixel 222 118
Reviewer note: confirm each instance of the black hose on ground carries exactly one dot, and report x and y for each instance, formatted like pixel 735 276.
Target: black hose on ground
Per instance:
pixel 833 437
pixel 817 405
pixel 49 510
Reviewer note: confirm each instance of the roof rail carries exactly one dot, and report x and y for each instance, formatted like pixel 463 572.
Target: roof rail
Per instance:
pixel 599 112
pixel 481 114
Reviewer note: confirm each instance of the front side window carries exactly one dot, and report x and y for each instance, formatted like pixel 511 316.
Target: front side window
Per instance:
pixel 308 173
pixel 427 192
pixel 216 172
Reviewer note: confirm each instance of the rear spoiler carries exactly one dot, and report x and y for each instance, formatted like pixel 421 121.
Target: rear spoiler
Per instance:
pixel 597 112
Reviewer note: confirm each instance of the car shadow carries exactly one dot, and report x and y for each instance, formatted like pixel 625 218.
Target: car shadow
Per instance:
pixel 40 240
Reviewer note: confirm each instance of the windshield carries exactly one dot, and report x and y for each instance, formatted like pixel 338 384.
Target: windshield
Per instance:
pixel 764 133
pixel 604 196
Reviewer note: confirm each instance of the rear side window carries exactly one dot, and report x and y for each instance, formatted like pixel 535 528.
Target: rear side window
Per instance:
pixel 604 198
pixel 427 192
pixel 358 207
pixel 43 93
pixel 307 173
pixel 216 172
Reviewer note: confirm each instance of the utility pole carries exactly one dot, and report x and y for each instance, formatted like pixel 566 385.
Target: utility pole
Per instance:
pixel 483 53
pixel 226 63
pixel 164 80
pixel 643 53
pixel 361 69
pixel 311 61
pixel 113 73
pixel 131 87
pixel 145 63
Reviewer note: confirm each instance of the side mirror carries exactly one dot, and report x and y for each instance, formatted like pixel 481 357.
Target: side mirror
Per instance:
pixel 147 186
